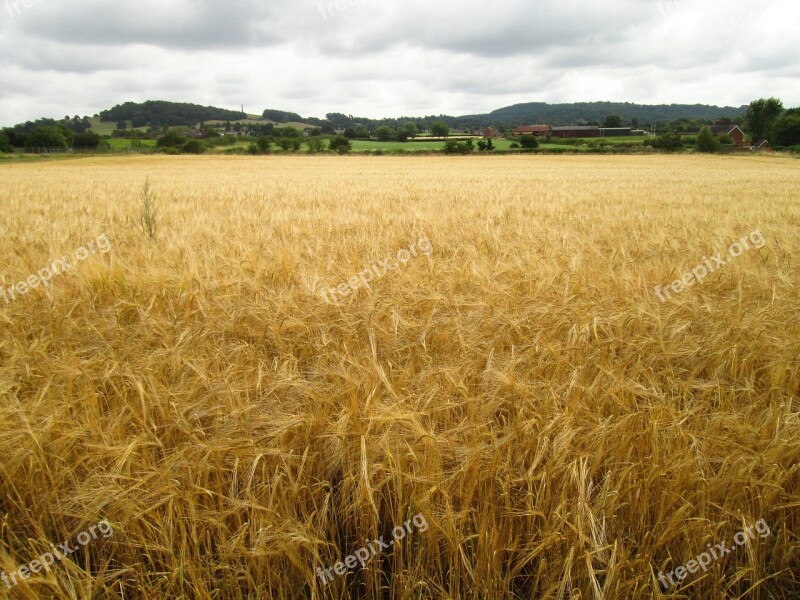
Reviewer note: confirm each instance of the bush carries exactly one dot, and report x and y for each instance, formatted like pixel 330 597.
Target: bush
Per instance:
pixel 315 145
pixel 707 141
pixel 668 143
pixel 194 147
pixel 263 143
pixel 171 139
pixel 340 144
pixel 455 147
pixel 515 145
pixel 529 141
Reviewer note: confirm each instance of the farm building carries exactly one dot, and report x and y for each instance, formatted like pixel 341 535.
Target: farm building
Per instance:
pixel 615 131
pixel 762 145
pixel 537 130
pixel 575 131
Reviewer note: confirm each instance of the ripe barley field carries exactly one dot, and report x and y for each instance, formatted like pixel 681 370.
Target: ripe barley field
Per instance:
pixel 562 431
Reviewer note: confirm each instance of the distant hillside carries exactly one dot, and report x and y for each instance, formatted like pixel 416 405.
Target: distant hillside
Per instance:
pixel 155 113
pixel 159 113
pixel 570 114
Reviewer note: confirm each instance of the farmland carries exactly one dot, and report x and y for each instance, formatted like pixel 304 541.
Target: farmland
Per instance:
pixel 564 432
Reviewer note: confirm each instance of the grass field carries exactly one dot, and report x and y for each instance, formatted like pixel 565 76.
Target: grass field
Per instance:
pixel 122 144
pixel 563 432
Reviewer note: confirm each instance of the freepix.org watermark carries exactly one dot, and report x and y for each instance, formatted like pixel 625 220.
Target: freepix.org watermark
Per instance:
pixel 326 8
pixel 374 272
pixel 56 267
pixel 365 554
pixel 702 561
pixel 48 559
pixel 698 274
pixel 14 7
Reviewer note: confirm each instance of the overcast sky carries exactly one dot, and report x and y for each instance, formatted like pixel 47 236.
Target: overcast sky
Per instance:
pixel 379 58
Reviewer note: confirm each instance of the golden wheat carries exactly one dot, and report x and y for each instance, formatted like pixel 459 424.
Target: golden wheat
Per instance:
pixel 564 433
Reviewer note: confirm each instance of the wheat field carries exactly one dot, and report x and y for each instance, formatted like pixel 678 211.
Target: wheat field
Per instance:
pixel 564 432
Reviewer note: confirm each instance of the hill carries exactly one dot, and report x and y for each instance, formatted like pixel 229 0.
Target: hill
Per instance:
pixel 159 113
pixel 155 113
pixel 569 114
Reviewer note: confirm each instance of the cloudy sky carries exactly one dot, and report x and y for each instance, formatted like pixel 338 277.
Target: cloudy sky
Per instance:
pixel 392 57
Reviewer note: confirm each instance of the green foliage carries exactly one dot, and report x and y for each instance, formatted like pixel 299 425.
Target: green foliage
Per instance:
pixel 263 143
pixel 47 137
pixel 786 130
pixel 481 145
pixel 529 142
pixel 340 144
pixel 158 113
pixel 171 139
pixel 707 141
pixel 668 143
pixel 456 147
pixel 5 144
pixel 725 140
pixel 86 140
pixel 147 217
pixel 440 129
pixel 279 116
pixel 194 147
pixel 385 133
pixel 761 116
pixel 613 121
pixel 515 145
pixel 287 132
pixel 410 130
pixel 315 145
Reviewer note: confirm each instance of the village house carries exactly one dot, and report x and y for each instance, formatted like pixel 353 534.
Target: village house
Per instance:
pixel 734 131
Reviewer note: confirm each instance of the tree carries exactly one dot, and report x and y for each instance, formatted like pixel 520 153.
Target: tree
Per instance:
pixel 529 141
pixel 481 145
pixel 328 128
pixel 707 141
pixel 440 129
pixel 86 140
pixel 263 143
pixel 362 132
pixel 5 144
pixel 350 133
pixel 761 116
pixel 410 130
pixel 46 137
pixel 786 130
pixel 613 121
pixel 340 144
pixel 384 133
pixel 489 144
pixel 122 125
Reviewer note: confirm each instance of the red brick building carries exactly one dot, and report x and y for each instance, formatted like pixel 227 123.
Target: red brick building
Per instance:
pixel 537 130
pixel 737 135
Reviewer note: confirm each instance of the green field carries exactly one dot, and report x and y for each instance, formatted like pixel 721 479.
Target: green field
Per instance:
pixel 123 144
